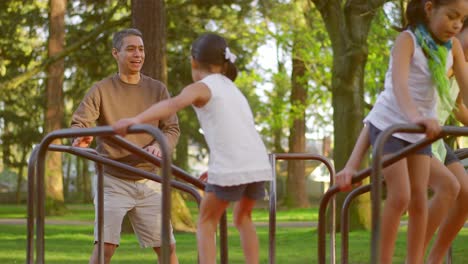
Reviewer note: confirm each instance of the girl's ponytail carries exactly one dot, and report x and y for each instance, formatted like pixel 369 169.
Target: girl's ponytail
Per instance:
pixel 212 49
pixel 415 13
pixel 231 71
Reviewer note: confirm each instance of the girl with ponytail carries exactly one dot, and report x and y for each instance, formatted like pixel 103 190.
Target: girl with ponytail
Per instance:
pixel 239 165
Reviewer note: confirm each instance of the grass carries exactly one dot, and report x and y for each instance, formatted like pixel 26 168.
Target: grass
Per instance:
pixel 71 244
pixel 85 212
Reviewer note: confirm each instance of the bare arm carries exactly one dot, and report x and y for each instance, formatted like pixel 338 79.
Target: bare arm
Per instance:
pixel 401 55
pixel 197 94
pixel 460 69
pixel 401 58
pixel 343 178
pixel 169 126
pixel 461 112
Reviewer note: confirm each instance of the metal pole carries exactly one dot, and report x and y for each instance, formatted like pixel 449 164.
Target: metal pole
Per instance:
pixel 31 196
pixel 100 212
pixel 272 214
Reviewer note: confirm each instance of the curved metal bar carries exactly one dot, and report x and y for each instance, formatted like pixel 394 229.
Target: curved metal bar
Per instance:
pixel 100 212
pixel 188 178
pixel 103 131
pixel 321 228
pixel 357 178
pixel 460 153
pixel 31 196
pixel 345 219
pixel 407 128
pixel 94 156
pixel 272 219
pixel 377 172
pixel 178 172
pixel 376 185
pixel 272 213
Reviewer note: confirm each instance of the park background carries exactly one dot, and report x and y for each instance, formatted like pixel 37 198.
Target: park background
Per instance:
pixel 311 70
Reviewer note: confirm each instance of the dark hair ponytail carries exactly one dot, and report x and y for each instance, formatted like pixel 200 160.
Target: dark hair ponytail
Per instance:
pixel 415 13
pixel 210 49
pixel 231 71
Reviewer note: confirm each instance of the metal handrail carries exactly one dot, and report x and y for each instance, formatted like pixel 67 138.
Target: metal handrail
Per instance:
pixel 86 153
pixel 460 153
pixel 272 203
pixel 377 172
pixel 102 131
pixel 91 154
pixel 377 163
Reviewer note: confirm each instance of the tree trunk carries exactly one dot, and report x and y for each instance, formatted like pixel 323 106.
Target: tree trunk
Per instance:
pixel 19 183
pixel 67 177
pixel 150 18
pixel 181 159
pixel 296 184
pixel 348 27
pixel 54 106
pixel 85 182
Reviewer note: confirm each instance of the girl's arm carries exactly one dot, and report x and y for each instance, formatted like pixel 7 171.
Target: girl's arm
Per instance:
pixel 461 112
pixel 343 178
pixel 401 59
pixel 197 94
pixel 460 69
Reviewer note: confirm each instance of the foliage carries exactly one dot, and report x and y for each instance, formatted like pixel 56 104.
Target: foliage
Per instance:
pixel 249 26
pixel 240 24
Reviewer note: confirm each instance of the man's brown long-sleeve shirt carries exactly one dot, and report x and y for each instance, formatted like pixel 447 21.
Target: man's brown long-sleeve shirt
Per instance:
pixel 112 99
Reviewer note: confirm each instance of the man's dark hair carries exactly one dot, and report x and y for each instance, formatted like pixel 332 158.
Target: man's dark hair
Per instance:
pixel 117 40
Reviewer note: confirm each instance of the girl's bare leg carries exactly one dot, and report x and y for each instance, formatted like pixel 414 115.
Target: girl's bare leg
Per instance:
pixel 398 197
pixel 248 235
pixel 455 219
pixel 418 169
pixel 446 187
pixel 211 210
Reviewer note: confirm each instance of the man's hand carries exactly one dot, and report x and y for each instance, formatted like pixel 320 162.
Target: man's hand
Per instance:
pixel 153 149
pixel 203 177
pixel 82 142
pixel 121 126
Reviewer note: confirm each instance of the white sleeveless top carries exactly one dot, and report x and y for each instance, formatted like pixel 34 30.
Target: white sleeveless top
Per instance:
pixel 387 112
pixel 237 153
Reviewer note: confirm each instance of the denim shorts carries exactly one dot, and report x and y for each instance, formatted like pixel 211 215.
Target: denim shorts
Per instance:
pixel 254 191
pixel 394 144
pixel 450 157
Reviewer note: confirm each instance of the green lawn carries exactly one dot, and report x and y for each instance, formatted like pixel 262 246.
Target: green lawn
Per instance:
pixel 71 244
pixel 86 212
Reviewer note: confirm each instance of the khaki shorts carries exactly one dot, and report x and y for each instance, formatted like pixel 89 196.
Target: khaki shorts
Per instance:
pixel 141 200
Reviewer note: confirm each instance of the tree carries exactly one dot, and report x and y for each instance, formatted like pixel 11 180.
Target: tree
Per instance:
pixel 348 27
pixel 150 18
pixel 297 193
pixel 54 106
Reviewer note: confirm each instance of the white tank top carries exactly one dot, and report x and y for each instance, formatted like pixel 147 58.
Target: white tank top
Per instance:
pixel 387 112
pixel 237 153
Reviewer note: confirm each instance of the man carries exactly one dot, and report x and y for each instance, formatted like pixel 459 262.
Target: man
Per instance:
pixel 125 94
